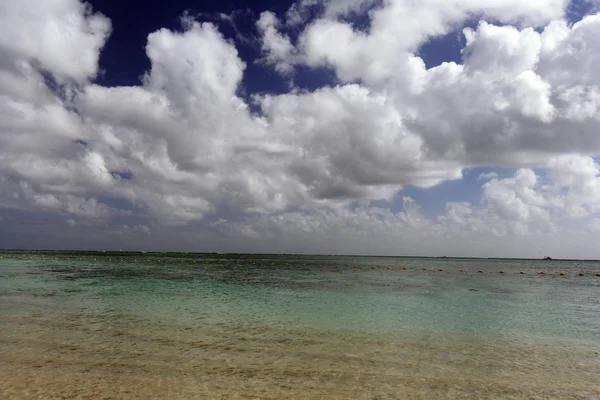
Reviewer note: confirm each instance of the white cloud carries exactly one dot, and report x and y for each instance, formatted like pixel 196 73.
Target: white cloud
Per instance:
pixel 503 51
pixel 488 176
pixel 525 206
pixel 278 48
pixel 351 143
pixel 397 28
pixel 314 163
pixel 59 35
pixel 519 204
pixel 579 178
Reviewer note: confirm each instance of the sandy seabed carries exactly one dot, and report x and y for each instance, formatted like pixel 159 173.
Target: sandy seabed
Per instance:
pixel 47 358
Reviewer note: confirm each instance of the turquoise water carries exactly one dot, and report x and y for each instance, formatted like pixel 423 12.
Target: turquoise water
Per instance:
pixel 255 326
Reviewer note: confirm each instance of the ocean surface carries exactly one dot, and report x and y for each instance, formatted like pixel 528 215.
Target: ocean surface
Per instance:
pixel 208 326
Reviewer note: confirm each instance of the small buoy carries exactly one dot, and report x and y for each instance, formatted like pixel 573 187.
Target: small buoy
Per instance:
pixel 372 267
pixel 19 257
pixel 355 267
pixel 501 271
pixel 441 269
pixel 581 274
pixel 462 270
pixel 94 259
pixel 542 273
pixel 68 258
pixel 562 273
pixel 424 269
pixel 480 271
pixel 404 268
pixel 319 265
pixel 598 274
pixel 522 273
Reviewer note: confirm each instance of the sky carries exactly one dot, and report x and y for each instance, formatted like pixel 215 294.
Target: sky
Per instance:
pixel 379 127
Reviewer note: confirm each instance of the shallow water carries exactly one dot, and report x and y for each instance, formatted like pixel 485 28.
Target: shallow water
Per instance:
pixel 131 325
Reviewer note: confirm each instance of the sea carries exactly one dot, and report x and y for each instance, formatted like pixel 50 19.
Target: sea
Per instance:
pixel 124 325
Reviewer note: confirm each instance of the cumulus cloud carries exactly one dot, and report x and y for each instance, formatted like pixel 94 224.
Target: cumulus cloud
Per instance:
pixel 398 28
pixel 278 48
pixel 61 36
pixel 522 214
pixel 184 148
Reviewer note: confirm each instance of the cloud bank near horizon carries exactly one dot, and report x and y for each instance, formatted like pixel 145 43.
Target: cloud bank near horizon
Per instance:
pixel 184 155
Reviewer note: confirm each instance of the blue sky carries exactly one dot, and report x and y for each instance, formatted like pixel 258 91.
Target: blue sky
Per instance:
pixel 389 127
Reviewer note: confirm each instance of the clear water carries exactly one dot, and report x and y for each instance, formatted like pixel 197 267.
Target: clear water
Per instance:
pixel 132 325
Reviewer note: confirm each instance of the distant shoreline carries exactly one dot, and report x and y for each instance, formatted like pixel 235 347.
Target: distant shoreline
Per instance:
pixel 286 254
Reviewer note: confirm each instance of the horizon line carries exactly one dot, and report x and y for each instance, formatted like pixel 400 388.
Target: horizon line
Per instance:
pixel 298 254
